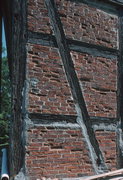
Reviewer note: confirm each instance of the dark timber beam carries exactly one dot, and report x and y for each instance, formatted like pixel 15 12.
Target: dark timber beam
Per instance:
pixel 74 45
pixel 109 6
pixel 69 118
pixel 98 123
pixel 0 59
pixel 120 63
pixel 97 119
pixel 116 2
pixel 83 118
pixel 49 118
pixel 112 3
pixel 120 93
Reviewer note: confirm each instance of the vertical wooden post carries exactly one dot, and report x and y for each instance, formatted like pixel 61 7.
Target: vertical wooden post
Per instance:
pixel 0 60
pixel 120 93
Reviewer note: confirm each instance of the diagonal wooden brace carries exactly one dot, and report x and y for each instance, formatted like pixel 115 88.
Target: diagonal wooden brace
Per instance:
pixel 83 117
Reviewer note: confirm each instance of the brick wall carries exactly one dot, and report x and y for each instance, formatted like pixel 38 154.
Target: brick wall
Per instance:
pixel 89 24
pixel 55 125
pixel 98 80
pixel 38 19
pixel 57 152
pixel 107 142
pixel 61 152
pixel 49 89
pixel 101 28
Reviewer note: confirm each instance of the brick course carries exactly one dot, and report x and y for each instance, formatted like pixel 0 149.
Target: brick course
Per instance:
pixel 51 151
pixel 54 152
pixel 38 19
pixel 50 92
pixel 88 24
pixel 98 80
pixel 80 22
pixel 107 142
pixel 49 89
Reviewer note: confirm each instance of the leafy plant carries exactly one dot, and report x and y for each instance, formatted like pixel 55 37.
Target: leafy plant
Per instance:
pixel 5 102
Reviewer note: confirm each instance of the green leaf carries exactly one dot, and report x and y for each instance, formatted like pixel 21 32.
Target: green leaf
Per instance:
pixel 6 102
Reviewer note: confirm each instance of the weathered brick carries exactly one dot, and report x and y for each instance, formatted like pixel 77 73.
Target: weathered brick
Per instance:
pixel 52 162
pixel 50 87
pixel 62 152
pixel 106 141
pixel 86 23
pixel 99 83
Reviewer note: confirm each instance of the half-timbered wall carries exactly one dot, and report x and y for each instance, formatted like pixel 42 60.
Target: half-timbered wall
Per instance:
pixel 68 105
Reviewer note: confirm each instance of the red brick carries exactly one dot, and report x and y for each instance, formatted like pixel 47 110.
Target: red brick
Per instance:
pixel 108 147
pixel 56 162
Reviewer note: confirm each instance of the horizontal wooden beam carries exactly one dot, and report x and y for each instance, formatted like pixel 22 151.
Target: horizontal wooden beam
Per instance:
pixel 116 2
pixel 97 119
pixel 38 118
pixel 109 6
pixel 74 45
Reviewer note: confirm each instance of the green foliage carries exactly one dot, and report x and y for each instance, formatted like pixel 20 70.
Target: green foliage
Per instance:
pixel 6 89
pixel 5 103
